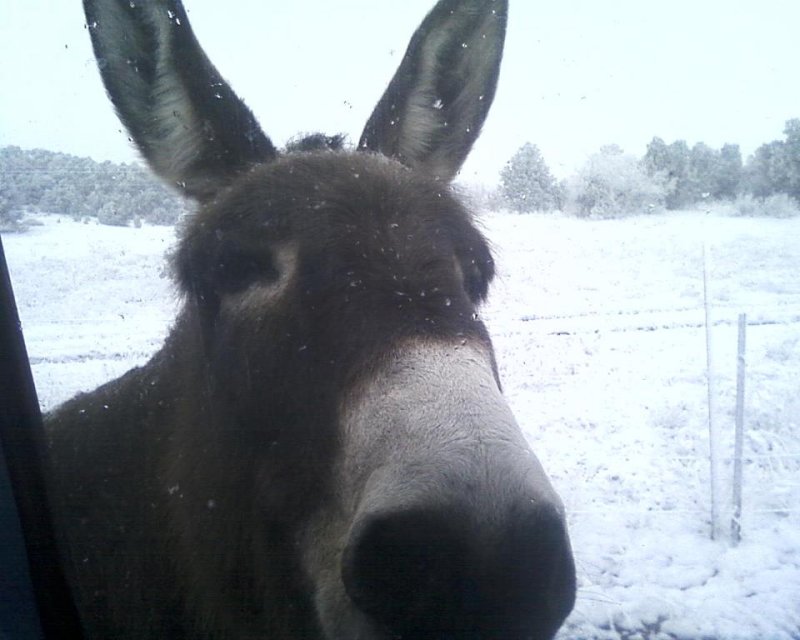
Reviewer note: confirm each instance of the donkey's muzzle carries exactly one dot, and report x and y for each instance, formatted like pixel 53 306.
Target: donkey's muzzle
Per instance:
pixel 439 571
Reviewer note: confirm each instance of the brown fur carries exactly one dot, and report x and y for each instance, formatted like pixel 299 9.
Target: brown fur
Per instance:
pixel 212 492
pixel 236 419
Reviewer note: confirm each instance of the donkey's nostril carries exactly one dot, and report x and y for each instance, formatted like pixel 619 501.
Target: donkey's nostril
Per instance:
pixel 422 573
pixel 404 566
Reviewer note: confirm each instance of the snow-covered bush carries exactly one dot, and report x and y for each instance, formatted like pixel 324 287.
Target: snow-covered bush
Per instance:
pixel 779 205
pixel 613 184
pixel 109 213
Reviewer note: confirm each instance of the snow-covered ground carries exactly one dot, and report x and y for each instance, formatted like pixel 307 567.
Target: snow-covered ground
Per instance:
pixel 599 331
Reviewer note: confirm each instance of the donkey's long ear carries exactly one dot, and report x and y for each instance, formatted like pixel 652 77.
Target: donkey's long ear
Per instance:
pixel 434 107
pixel 191 127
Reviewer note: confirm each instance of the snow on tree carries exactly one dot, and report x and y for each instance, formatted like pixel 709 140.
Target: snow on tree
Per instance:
pixel 80 187
pixel 657 159
pixel 696 174
pixel 668 164
pixel 713 174
pixel 792 157
pixel 767 172
pixel 729 172
pixel 681 193
pixel 613 183
pixel 526 183
pixel 700 183
pixel 10 212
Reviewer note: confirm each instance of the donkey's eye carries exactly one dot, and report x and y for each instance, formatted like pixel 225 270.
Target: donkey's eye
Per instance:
pixel 477 274
pixel 475 283
pixel 235 271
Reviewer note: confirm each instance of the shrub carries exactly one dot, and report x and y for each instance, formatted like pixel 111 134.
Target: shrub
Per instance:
pixel 778 205
pixel 613 184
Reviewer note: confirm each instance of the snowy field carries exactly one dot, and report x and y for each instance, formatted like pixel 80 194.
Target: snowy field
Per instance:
pixel 599 331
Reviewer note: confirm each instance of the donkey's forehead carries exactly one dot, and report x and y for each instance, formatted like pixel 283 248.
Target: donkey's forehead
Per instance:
pixel 308 190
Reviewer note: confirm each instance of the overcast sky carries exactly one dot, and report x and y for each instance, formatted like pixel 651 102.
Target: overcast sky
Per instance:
pixel 577 74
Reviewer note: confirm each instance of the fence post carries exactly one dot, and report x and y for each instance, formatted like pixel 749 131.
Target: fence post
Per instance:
pixel 713 435
pixel 736 521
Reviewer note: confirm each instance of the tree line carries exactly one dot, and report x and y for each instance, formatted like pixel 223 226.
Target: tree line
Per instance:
pixel 668 176
pixel 37 180
pixel 610 183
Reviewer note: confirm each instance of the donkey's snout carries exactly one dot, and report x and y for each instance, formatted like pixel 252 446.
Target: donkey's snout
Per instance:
pixel 438 573
pixel 406 566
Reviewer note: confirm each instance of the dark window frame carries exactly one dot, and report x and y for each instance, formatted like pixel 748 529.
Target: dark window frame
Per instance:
pixel 40 588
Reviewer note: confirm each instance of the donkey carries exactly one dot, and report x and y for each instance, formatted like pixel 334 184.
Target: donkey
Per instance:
pixel 321 448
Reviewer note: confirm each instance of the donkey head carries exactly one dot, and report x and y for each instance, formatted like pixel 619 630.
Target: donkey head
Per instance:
pixel 340 361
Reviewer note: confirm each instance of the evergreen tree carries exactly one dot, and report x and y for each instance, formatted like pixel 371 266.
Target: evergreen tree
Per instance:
pixel 61 183
pixel 701 176
pixel 680 161
pixel 526 183
pixel 657 158
pixel 729 174
pixel 696 174
pixel 766 171
pixel 792 157
pixel 774 168
pixel 10 213
pixel 669 165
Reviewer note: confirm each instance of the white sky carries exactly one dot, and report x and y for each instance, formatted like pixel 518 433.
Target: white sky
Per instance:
pixel 577 74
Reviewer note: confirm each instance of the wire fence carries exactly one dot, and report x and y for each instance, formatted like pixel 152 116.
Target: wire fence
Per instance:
pixel 779 465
